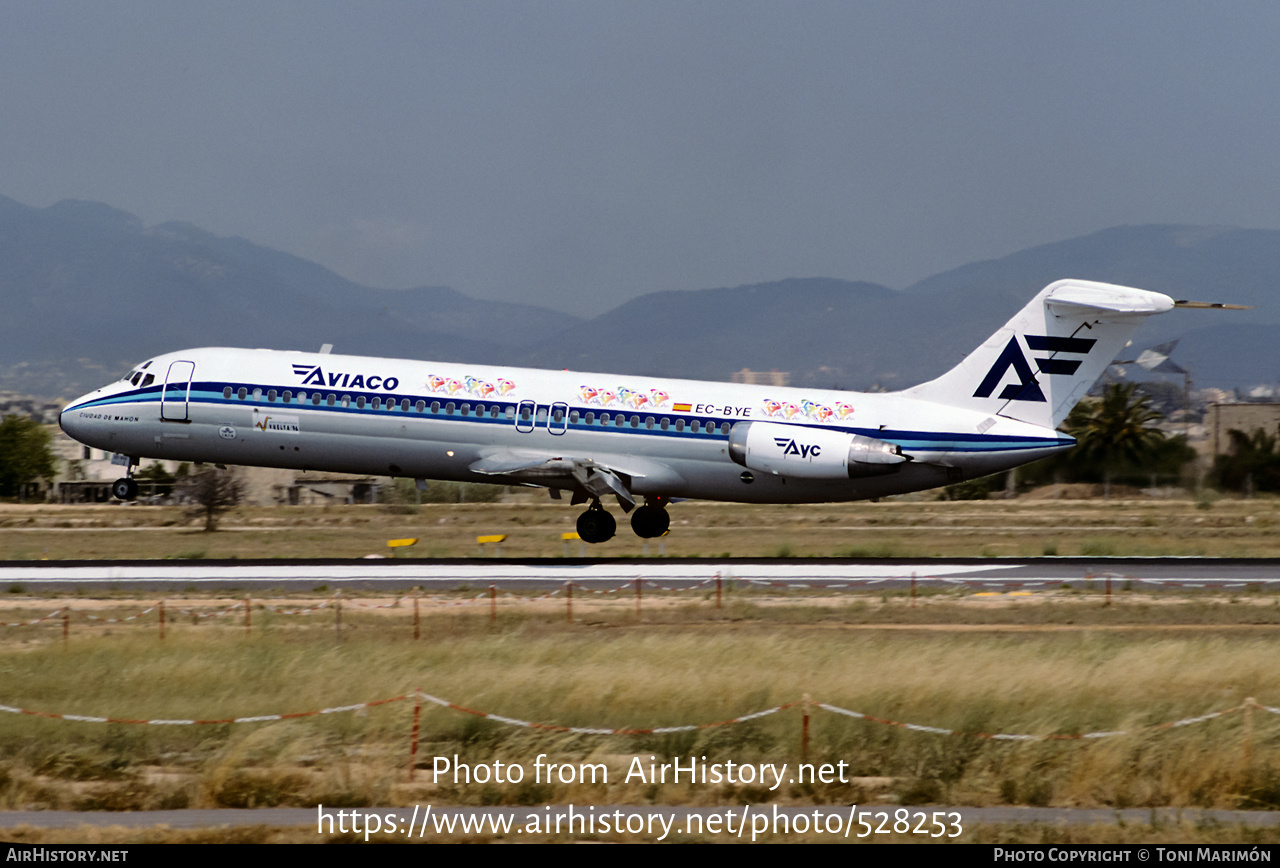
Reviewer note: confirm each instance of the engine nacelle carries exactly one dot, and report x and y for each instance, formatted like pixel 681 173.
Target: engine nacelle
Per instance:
pixel 811 453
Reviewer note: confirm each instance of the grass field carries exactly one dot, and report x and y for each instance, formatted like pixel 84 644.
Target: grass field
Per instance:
pixel 1061 665
pixel 1057 663
pixel 901 528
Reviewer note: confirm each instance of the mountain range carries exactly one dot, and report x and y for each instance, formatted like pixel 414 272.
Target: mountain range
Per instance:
pixel 89 291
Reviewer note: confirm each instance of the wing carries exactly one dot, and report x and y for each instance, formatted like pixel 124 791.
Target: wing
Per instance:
pixel 593 476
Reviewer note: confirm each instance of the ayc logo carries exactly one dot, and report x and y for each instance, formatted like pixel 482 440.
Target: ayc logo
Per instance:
pixel 1028 389
pixel 314 375
pixel 791 447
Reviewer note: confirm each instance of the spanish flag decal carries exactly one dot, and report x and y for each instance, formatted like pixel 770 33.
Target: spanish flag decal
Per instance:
pixel 681 408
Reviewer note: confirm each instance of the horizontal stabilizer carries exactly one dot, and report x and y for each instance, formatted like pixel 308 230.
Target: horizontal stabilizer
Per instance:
pixel 1081 299
pixel 1212 305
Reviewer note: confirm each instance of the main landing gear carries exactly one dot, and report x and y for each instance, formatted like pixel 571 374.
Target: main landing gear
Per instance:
pixel 595 525
pixel 649 521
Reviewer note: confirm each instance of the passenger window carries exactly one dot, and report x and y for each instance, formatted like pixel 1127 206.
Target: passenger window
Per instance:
pixel 573 417
pixel 226 393
pixel 420 406
pixel 648 422
pixel 604 418
pixel 679 424
pixel 271 394
pixel 287 397
pixel 404 405
pixel 346 400
pixel 435 406
pixel 493 412
pixel 377 403
pixel 635 421
pixel 465 409
pixel 257 394
pixel 724 427
pixel 665 423
pixel 510 412
pixel 448 408
pixel 591 418
pixel 331 400
pixel 242 393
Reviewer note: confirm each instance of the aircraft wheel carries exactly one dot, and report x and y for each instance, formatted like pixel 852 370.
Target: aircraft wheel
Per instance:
pixel 596 526
pixel 650 521
pixel 125 489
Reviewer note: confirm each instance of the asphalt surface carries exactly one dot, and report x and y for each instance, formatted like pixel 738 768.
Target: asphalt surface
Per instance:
pixel 393 574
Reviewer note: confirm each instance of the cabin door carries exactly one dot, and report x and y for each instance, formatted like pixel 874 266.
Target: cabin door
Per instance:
pixel 177 392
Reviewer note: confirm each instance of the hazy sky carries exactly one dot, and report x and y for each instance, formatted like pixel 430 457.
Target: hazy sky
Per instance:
pixel 577 154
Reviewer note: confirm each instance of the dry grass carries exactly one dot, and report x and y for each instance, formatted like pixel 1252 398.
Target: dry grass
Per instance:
pixel 689 665
pixel 1235 528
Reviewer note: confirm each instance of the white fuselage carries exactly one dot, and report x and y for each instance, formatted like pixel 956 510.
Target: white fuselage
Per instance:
pixel 427 420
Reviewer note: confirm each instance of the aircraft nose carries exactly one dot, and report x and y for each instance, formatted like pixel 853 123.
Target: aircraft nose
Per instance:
pixel 70 419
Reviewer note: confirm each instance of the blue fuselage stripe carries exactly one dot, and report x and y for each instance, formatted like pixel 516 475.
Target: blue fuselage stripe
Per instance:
pixel 214 394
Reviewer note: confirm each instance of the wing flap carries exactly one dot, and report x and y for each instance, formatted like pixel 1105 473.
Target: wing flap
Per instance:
pixel 597 476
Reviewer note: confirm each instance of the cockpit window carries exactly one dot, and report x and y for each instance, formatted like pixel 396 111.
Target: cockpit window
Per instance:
pixel 134 373
pixel 148 380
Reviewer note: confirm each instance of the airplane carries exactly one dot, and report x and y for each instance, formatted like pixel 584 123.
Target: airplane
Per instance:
pixel 645 441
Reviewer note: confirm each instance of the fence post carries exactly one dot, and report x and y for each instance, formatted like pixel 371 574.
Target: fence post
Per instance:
pixel 1249 704
pixel 804 728
pixel 413 740
pixel 162 620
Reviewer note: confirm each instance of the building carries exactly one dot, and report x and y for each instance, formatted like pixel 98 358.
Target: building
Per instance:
pixel 1247 418
pixel 761 378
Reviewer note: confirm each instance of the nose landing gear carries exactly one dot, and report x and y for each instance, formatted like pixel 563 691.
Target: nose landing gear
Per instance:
pixel 126 488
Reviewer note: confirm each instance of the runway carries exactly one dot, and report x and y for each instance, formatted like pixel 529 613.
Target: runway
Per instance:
pixel 392 574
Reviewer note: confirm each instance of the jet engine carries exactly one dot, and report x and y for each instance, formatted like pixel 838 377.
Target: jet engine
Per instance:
pixel 811 453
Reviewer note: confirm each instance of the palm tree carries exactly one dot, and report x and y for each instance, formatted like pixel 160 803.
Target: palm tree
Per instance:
pixel 1115 431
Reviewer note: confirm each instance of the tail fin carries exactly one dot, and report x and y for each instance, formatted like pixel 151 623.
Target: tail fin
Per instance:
pixel 1045 359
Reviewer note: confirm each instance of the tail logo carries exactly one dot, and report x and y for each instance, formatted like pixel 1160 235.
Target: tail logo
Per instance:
pixel 1028 389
